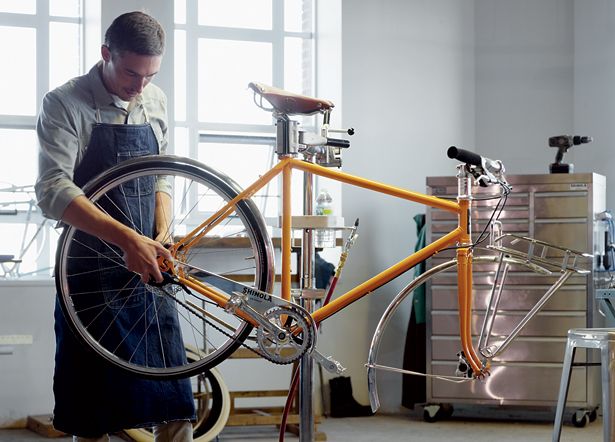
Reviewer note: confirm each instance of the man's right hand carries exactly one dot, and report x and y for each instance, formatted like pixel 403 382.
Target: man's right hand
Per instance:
pixel 141 256
pixel 140 252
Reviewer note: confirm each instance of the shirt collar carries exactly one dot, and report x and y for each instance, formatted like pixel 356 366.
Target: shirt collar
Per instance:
pixel 101 96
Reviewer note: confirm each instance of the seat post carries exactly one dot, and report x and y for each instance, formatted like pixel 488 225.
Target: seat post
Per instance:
pixel 286 135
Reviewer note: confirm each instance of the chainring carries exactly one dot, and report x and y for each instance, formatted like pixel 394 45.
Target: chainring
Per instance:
pixel 299 339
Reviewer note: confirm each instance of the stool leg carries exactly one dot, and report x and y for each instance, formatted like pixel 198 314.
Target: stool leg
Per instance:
pixel 563 390
pixel 607 353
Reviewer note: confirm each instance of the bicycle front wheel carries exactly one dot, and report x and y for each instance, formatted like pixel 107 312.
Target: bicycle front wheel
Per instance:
pixel 143 328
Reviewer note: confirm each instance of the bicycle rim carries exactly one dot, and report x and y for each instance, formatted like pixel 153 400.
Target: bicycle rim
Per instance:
pixel 139 327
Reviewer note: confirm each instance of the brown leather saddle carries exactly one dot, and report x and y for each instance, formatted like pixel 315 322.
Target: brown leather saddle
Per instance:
pixel 289 103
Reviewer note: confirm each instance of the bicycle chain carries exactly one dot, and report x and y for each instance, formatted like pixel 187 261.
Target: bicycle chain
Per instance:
pixel 196 313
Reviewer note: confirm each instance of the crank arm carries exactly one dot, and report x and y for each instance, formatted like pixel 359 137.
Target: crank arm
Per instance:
pixel 328 363
pixel 239 302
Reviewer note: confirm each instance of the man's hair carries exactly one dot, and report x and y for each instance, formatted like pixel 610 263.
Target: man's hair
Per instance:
pixel 135 32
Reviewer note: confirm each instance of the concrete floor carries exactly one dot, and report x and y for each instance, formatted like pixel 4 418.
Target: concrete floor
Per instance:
pixel 396 428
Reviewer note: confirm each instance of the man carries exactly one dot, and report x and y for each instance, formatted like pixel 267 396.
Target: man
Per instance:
pixel 84 127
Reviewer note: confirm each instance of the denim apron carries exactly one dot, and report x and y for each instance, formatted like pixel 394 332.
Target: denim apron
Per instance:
pixel 92 397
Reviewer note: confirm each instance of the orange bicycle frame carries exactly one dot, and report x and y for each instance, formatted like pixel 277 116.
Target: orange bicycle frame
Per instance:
pixel 459 238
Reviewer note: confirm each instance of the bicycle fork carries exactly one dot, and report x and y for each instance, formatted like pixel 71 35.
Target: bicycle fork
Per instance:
pixel 464 274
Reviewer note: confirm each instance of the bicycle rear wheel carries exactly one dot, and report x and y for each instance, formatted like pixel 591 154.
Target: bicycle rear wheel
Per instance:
pixel 139 327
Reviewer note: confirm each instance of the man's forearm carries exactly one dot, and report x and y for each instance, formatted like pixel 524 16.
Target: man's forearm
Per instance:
pixel 163 218
pixel 85 216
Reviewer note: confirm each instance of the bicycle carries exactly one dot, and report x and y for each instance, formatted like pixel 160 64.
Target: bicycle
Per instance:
pixel 221 306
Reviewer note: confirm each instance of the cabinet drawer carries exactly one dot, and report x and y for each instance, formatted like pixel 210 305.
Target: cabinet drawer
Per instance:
pixel 447 323
pixel 514 278
pixel 509 384
pixel 522 349
pixel 563 234
pixel 521 298
pixel 560 204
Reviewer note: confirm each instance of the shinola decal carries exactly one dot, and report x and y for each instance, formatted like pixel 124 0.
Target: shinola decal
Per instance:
pixel 256 294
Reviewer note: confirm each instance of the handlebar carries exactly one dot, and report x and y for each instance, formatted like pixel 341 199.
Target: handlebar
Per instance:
pixel 474 159
pixel 465 156
pixel 488 170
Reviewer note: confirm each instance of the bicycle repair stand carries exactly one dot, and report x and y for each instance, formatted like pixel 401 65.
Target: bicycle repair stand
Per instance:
pixel 307 296
pixel 288 138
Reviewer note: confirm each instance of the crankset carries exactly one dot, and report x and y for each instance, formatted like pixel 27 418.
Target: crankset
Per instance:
pixel 285 331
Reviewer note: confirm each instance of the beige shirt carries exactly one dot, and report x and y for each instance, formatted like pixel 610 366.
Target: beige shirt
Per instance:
pixel 65 124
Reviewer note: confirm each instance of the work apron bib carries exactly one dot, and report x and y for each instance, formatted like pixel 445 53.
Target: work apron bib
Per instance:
pixel 92 397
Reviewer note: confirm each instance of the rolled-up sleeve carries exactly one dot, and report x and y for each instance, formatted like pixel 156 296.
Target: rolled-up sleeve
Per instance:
pixel 58 150
pixel 157 109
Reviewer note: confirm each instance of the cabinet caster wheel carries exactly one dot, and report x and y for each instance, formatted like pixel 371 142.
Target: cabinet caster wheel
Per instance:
pixel 430 413
pixel 593 415
pixel 580 418
pixel 435 412
pixel 447 411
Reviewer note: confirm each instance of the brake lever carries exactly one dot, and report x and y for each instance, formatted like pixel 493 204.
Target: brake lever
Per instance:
pixel 490 172
pixel 481 176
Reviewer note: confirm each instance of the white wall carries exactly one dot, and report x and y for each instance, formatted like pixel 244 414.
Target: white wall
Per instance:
pixel 26 369
pixel 594 89
pixel 524 80
pixel 408 89
pixel 494 76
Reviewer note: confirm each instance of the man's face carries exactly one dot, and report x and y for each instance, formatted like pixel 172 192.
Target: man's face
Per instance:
pixel 126 74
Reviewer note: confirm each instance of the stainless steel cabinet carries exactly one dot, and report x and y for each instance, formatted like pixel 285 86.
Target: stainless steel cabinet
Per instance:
pixel 559 209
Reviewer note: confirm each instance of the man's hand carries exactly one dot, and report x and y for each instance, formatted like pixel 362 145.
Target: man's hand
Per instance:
pixel 140 252
pixel 140 256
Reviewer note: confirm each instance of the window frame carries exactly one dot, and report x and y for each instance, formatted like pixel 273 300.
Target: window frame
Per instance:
pixel 199 132
pixel 40 21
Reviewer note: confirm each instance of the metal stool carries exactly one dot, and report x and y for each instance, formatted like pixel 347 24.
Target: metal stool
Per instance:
pixel 598 338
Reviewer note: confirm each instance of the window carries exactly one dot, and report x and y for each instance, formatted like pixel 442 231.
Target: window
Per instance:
pixel 220 47
pixel 41 49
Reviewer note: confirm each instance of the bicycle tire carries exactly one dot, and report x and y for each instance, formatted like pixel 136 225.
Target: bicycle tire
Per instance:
pixel 213 405
pixel 134 346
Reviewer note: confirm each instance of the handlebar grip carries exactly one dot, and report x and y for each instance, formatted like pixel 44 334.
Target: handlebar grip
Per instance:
pixel 465 156
pixel 337 142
